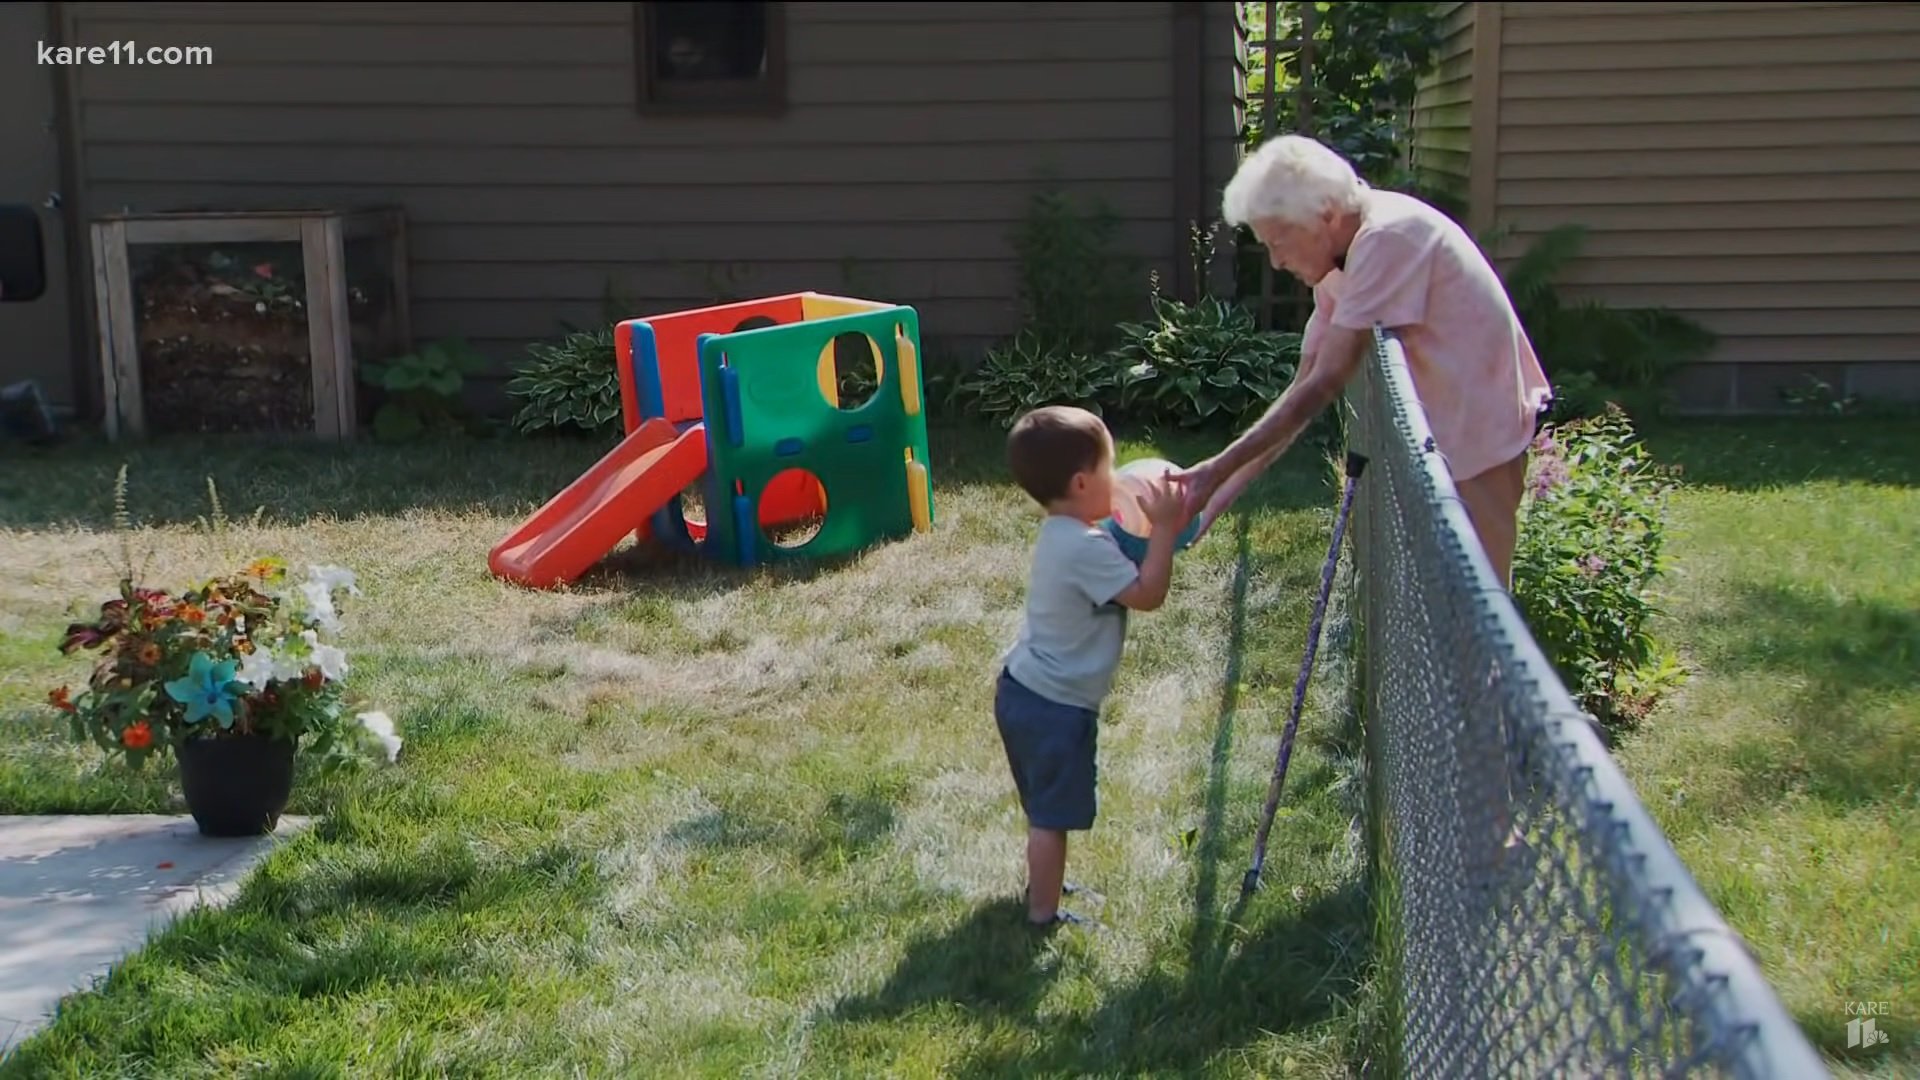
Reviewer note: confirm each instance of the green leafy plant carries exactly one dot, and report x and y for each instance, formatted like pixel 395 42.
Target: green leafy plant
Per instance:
pixel 1596 355
pixel 570 386
pixel 1200 364
pixel 1027 373
pixel 1367 62
pixel 1074 287
pixel 1189 365
pixel 1074 291
pixel 1816 395
pixel 1206 363
pixel 422 390
pixel 1592 530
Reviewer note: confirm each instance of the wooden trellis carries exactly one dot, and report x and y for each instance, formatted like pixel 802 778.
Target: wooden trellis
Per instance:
pixel 1274 50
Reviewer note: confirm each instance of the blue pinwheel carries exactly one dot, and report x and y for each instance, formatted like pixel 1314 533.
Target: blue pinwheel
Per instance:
pixel 207 690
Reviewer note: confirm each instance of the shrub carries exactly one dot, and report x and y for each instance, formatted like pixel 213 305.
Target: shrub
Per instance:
pixel 1199 365
pixel 1188 365
pixel 1074 288
pixel 1592 530
pixel 1597 355
pixel 422 391
pixel 572 386
pixel 1027 373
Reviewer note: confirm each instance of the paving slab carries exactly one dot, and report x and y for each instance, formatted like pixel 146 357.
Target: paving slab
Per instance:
pixel 78 893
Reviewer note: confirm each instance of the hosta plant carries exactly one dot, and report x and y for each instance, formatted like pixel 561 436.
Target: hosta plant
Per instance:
pixel 572 386
pixel 1201 364
pixel 1026 374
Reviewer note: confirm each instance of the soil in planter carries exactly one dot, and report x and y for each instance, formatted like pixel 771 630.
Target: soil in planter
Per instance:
pixel 223 347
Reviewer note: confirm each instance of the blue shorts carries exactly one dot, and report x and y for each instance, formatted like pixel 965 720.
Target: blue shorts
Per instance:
pixel 1050 748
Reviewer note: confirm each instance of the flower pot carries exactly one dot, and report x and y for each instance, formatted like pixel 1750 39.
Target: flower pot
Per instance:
pixel 238 785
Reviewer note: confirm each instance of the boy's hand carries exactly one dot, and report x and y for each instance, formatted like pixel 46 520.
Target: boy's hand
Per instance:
pixel 1166 505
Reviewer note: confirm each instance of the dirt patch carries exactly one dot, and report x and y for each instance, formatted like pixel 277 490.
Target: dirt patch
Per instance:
pixel 220 354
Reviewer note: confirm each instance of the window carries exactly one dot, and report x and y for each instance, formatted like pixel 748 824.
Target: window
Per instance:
pixel 711 56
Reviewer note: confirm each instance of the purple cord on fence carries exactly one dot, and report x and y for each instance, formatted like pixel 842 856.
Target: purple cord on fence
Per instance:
pixel 1355 465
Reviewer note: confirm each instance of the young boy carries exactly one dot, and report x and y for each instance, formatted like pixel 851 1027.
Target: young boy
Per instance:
pixel 1058 672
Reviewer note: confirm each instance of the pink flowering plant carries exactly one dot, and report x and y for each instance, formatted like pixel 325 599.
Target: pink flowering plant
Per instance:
pixel 1590 548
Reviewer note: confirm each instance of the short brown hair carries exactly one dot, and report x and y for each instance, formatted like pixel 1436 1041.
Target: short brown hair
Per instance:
pixel 1050 445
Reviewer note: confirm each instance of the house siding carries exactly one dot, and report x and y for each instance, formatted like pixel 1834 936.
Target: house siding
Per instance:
pixel 914 138
pixel 1754 166
pixel 1225 101
pixel 1442 151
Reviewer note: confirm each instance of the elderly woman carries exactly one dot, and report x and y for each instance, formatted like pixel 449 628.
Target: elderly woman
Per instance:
pixel 1387 259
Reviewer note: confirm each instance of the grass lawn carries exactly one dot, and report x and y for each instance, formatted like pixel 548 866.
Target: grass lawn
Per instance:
pixel 1787 772
pixel 688 820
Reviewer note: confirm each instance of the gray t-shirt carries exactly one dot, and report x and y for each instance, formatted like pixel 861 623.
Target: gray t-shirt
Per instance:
pixel 1070 641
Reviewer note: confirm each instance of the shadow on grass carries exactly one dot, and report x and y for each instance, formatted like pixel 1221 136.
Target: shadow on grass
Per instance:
pixel 1769 453
pixel 1210 848
pixel 989 962
pixel 1841 650
pixel 1268 966
pixel 293 481
pixel 1287 972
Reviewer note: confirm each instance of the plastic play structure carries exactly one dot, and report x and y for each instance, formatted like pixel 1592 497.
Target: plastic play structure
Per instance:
pixel 743 400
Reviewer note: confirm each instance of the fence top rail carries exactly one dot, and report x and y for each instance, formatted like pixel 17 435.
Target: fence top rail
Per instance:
pixel 1683 934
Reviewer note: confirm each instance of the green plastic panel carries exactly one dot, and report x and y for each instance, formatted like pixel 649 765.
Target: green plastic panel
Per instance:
pixel 765 414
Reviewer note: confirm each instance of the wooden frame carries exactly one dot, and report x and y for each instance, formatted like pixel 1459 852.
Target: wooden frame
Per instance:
pixel 322 236
pixel 764 96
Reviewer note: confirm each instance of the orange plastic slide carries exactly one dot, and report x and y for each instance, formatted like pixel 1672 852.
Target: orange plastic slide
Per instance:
pixel 588 519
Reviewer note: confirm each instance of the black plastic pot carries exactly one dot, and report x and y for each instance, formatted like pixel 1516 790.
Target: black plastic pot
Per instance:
pixel 238 785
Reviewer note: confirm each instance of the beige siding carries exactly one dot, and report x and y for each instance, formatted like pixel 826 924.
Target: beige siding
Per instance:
pixel 1756 166
pixel 1443 108
pixel 915 136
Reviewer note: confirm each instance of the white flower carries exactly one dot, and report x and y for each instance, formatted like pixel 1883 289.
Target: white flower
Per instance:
pixel 381 726
pixel 288 666
pixel 333 578
pixel 331 661
pixel 1140 370
pixel 257 668
pixel 319 609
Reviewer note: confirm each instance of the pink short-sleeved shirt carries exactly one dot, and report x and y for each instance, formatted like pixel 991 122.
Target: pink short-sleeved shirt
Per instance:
pixel 1412 270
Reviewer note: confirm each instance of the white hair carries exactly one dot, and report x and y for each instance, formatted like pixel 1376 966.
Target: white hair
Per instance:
pixel 1292 179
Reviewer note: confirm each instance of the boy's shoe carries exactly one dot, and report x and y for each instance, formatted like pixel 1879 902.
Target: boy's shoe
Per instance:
pixel 1063 917
pixel 1069 888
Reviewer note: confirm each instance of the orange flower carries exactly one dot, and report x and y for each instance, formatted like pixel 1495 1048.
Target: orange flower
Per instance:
pixel 149 654
pixel 192 613
pixel 138 735
pixel 61 699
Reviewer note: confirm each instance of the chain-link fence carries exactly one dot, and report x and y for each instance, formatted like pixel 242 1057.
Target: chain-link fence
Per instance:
pixel 1534 921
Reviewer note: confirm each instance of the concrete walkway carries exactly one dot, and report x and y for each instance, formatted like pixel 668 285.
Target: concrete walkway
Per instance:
pixel 78 893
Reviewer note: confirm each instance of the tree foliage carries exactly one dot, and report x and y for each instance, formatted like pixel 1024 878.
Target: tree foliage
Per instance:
pixel 1367 60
